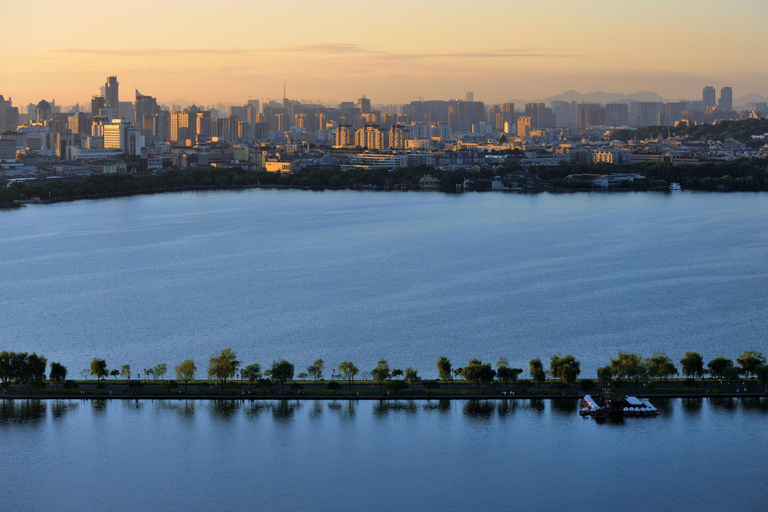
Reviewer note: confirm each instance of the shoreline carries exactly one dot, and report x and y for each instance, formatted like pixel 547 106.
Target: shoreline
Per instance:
pixel 421 397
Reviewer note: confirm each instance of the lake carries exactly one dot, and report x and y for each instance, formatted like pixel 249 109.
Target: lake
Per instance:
pixel 699 454
pixel 409 277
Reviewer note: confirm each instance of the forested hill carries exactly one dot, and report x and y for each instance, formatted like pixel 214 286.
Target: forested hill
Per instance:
pixel 738 130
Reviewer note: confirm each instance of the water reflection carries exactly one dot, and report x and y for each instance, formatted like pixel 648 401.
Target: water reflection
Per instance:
pixel 346 410
pixel 284 410
pixel 60 407
pixel 224 409
pixel 254 409
pixel 506 408
pixel 565 407
pixel 536 404
pixel 384 407
pixel 99 406
pixel 755 404
pixel 22 411
pixel 479 409
pixel 723 403
pixel 664 405
pixel 691 406
pixel 442 405
pixel 183 408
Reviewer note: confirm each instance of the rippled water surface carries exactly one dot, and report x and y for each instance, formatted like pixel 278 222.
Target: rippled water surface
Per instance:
pixel 406 276
pixel 380 456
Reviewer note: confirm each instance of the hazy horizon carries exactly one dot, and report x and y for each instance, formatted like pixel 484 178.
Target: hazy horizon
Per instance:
pixel 437 50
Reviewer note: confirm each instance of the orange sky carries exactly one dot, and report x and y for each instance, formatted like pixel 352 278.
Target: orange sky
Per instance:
pixel 228 50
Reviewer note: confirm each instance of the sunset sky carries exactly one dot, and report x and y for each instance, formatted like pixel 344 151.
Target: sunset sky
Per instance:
pixel 228 50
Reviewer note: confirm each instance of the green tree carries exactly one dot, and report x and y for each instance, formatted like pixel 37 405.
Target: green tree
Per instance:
pixel 605 374
pixel 397 372
pixel 114 373
pixel 750 361
pixel 160 370
pixel 34 367
pixel 99 368
pixel 731 374
pixel 507 375
pixel 316 370
pixel 718 365
pixel 252 373
pixel 444 368
pixel 186 371
pixel 567 368
pixel 282 371
pixel 629 365
pixel 381 372
pixel 223 366
pixel 125 371
pixel 478 372
pixel 149 372
pixel 348 370
pixel 660 366
pixel 537 371
pixel 692 365
pixel 412 376
pixel 6 367
pixel 761 372
pixel 58 373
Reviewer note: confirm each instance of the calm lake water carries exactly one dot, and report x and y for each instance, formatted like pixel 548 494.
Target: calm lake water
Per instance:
pixel 405 276
pixel 368 455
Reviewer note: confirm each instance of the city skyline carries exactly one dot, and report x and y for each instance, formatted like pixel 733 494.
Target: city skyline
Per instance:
pixel 393 54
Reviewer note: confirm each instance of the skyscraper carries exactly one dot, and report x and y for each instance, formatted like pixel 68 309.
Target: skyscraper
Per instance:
pixel 144 106
pixel 364 104
pixel 111 93
pixel 708 96
pixel 726 98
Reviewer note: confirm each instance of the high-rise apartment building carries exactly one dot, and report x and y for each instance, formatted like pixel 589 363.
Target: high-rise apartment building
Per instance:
pixel 524 126
pixel 369 137
pixel 649 113
pixel 111 93
pixel 708 96
pixel 726 98
pixel 342 137
pixel 463 114
pixel 588 115
pixel 617 114
pixel 396 137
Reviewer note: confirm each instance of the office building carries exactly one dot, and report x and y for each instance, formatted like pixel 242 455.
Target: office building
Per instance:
pixel 123 135
pixel 111 93
pixel 708 96
pixel 726 99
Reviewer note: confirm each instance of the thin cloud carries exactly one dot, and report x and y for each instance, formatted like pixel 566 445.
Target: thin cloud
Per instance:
pixel 331 49
pixel 144 52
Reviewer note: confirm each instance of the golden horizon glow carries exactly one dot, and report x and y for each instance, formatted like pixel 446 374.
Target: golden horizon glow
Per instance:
pixel 231 50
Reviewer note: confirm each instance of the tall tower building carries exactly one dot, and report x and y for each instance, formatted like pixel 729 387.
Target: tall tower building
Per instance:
pixel 364 104
pixel 111 93
pixel 726 98
pixel 708 96
pixel 144 106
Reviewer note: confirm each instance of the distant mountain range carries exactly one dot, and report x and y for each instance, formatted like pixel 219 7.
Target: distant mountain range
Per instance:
pixel 614 97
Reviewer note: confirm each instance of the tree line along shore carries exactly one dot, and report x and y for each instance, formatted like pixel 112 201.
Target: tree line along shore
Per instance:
pixel 22 373
pixel 743 174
